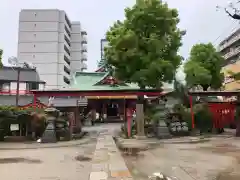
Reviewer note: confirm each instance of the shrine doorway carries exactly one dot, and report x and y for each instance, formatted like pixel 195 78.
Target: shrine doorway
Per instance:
pixel 112 109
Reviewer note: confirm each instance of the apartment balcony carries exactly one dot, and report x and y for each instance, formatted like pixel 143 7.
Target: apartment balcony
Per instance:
pixel 83 33
pixel 84 48
pixel 228 43
pixel 232 53
pixel 83 66
pixel 83 57
pixel 84 39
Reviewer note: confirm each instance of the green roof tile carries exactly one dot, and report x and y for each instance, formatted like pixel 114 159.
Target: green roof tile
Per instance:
pixel 88 81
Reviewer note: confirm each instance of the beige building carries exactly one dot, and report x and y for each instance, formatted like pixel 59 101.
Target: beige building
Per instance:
pixel 230 49
pixel 51 42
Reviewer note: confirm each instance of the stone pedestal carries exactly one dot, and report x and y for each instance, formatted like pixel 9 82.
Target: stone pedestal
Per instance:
pixel 49 135
pixel 162 130
pixel 88 122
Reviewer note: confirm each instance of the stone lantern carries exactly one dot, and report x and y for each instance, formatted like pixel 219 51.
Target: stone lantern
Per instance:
pixel 49 135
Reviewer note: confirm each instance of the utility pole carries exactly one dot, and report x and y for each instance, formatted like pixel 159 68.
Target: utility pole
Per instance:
pixel 18 82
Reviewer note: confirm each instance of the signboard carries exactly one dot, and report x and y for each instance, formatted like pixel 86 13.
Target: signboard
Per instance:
pixel 14 127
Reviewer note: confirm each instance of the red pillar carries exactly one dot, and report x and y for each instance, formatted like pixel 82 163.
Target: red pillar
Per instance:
pixel 35 101
pixel 192 113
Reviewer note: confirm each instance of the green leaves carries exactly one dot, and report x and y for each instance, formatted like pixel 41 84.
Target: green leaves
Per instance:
pixel 143 48
pixel 204 67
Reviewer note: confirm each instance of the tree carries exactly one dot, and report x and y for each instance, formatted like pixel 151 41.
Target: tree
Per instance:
pixel 1 52
pixel 235 14
pixel 204 67
pixel 181 92
pixel 101 63
pixel 143 48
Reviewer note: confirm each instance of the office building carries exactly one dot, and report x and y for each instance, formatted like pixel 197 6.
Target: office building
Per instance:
pixel 52 43
pixel 230 50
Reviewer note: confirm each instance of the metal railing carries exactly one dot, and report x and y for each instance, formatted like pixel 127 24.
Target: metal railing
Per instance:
pixel 232 53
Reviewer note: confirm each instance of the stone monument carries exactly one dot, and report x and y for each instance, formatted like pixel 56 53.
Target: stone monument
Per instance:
pixel 49 135
pixel 161 129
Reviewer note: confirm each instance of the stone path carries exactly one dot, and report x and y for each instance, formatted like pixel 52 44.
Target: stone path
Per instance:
pixel 107 163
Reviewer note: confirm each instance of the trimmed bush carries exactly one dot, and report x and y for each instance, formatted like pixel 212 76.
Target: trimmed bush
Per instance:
pixel 202 116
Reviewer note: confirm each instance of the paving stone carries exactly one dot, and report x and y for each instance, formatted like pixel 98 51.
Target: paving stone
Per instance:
pixel 100 167
pixel 108 160
pixel 117 166
pixel 125 173
pixel 98 175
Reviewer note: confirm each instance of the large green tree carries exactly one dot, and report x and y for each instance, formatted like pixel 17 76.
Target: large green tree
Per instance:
pixel 204 67
pixel 143 48
pixel 1 52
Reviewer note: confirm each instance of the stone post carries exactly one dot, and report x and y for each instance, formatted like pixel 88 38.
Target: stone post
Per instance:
pixel 78 121
pixel 140 118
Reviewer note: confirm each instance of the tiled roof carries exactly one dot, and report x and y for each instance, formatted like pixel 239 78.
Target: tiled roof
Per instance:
pixel 88 80
pixel 26 75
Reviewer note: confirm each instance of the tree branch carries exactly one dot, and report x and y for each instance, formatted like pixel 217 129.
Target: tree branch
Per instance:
pixel 234 16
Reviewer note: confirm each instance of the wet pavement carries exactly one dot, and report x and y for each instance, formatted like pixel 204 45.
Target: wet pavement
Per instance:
pixel 96 157
pixel 217 159
pixel 71 160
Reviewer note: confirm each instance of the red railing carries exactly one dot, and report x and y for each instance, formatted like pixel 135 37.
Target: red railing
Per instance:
pixel 14 92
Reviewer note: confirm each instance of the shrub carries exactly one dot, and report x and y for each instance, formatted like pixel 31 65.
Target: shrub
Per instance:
pixel 202 116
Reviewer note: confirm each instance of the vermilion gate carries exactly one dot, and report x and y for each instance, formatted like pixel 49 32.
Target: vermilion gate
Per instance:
pixel 223 112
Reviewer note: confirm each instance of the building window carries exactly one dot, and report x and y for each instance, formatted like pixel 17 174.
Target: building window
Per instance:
pixel 67 60
pixel 68 22
pixel 35 14
pixel 35 25
pixel 66 80
pixel 32 86
pixel 5 87
pixel 34 45
pixel 66 70
pixel 67 40
pixel 35 35
pixel 33 56
pixel 66 50
pixel 67 31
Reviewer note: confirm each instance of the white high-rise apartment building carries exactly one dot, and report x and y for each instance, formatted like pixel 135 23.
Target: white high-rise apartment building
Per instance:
pixel 51 42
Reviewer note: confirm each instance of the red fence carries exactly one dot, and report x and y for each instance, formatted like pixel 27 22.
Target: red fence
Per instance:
pixel 223 114
pixel 14 92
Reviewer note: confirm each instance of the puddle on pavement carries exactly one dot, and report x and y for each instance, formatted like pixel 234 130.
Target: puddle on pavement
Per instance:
pixel 83 158
pixel 19 160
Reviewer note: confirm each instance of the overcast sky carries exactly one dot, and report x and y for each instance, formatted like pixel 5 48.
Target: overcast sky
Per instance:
pixel 199 17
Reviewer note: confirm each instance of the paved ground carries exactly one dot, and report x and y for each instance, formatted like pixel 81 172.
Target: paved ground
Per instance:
pixel 217 159
pixel 73 160
pixel 95 157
